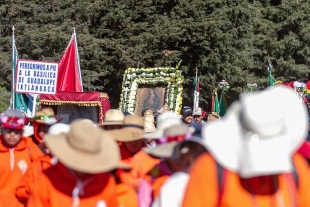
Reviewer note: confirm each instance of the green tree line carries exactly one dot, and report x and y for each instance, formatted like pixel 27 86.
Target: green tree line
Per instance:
pixel 229 40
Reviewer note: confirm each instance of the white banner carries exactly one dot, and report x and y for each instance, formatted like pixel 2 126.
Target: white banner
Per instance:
pixel 36 77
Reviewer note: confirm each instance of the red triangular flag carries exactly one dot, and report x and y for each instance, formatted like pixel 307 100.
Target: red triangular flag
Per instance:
pixel 69 74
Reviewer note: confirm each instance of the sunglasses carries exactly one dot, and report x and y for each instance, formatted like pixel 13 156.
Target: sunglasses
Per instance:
pixel 8 131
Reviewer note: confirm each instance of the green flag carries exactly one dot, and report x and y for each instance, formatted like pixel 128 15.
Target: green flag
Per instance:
pixel 215 102
pixel 222 105
pixel 23 102
pixel 269 69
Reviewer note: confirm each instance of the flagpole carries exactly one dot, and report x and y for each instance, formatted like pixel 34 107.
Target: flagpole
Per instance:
pixel 78 58
pixel 34 104
pixel 195 92
pixel 13 69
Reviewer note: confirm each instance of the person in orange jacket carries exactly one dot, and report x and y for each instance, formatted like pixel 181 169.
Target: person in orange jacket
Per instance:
pixel 16 154
pixel 253 160
pixel 152 182
pixel 130 143
pixel 126 195
pixel 38 166
pixel 42 121
pixel 82 177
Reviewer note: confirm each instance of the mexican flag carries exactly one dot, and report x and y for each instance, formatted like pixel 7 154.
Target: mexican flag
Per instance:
pixel 23 102
pixel 196 92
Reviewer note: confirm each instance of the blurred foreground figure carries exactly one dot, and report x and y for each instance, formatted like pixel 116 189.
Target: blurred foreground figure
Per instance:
pixel 38 166
pixel 82 176
pixel 16 154
pixel 253 160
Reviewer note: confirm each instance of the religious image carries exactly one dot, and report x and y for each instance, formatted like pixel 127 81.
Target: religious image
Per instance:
pixel 149 98
pixel 68 113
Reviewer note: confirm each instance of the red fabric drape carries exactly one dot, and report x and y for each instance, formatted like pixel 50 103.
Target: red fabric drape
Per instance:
pixel 68 70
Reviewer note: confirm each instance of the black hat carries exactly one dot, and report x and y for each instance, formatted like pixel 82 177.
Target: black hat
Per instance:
pixel 186 111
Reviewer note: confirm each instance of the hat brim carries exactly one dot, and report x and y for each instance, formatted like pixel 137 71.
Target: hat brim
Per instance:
pixel 162 151
pixel 225 140
pixel 157 134
pixel 179 129
pixel 106 160
pixel 44 121
pixel 28 131
pixel 127 134
pixel 111 123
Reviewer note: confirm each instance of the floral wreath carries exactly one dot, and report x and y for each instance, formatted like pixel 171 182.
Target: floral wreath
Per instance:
pixel 133 77
pixel 12 122
pixel 223 85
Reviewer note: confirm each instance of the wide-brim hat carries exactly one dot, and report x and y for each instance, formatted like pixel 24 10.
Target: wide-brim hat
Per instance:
pixel 132 129
pixel 45 116
pixel 113 117
pixel 180 129
pixel 86 148
pixel 164 121
pixel 259 134
pixel 162 150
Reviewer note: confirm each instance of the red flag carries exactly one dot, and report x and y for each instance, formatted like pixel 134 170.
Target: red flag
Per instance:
pixel 69 73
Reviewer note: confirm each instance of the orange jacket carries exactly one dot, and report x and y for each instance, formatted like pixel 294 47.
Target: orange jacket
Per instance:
pixel 126 196
pixel 141 164
pixel 55 186
pixel 203 190
pixel 34 170
pixel 13 164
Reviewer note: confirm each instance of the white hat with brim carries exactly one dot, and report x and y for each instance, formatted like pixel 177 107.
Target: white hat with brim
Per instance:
pixel 259 134
pixel 164 121
pixel 177 130
pixel 86 149
pixel 162 151
pixel 28 131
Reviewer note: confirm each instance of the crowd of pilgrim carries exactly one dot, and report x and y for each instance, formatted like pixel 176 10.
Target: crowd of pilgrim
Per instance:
pixel 256 155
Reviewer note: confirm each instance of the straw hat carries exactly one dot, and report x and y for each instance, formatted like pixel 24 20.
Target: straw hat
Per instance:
pixel 132 129
pixel 259 133
pixel 163 109
pixel 113 117
pixel 149 125
pixel 148 112
pixel 86 148
pixel 165 121
pixel 213 117
pixel 45 116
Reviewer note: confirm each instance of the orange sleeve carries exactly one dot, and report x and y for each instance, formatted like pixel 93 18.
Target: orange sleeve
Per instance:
pixel 34 151
pixel 39 196
pixel 303 173
pixel 126 196
pixel 111 198
pixel 202 188
pixel 23 190
pixel 141 164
